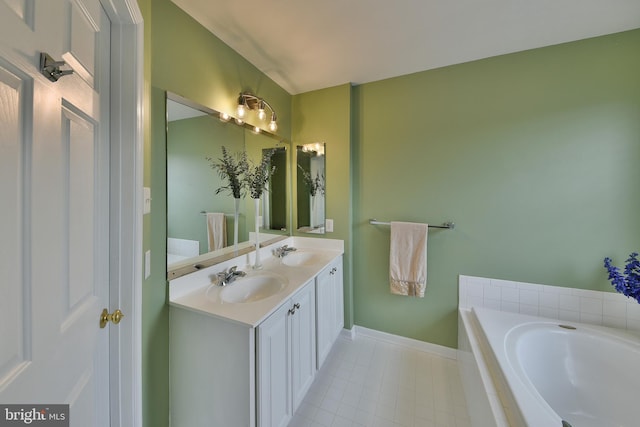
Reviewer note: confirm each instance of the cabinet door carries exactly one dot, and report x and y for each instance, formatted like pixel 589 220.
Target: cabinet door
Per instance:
pixel 338 300
pixel 303 342
pixel 273 376
pixel 330 308
pixel 325 315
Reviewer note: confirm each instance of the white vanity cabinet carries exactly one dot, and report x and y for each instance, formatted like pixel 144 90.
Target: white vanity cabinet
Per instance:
pixel 286 362
pixel 250 364
pixel 329 308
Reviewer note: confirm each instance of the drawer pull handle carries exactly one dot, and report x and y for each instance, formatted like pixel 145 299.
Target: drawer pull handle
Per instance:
pixel 296 306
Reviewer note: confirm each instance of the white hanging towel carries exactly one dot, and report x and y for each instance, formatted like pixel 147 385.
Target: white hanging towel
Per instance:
pixel 408 258
pixel 216 231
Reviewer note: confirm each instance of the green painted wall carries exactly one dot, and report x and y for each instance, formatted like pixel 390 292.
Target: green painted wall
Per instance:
pixel 155 311
pixel 534 155
pixel 188 60
pixel 155 337
pixel 325 116
pixel 184 58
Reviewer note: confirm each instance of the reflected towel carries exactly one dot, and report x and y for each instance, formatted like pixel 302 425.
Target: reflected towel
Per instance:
pixel 408 258
pixel 216 231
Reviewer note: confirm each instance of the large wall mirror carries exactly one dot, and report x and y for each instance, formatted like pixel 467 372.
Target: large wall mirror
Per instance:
pixel 310 184
pixel 200 223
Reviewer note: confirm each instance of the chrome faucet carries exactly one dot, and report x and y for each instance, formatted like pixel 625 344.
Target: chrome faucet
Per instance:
pixel 283 251
pixel 226 277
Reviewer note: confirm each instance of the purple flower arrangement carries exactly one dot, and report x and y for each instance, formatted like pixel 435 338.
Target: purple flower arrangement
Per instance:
pixel 628 283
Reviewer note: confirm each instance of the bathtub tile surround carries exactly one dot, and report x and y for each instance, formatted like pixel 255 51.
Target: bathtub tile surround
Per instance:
pixel 371 382
pixel 575 305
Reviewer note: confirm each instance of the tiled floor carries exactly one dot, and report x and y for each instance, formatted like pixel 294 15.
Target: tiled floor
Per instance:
pixel 367 382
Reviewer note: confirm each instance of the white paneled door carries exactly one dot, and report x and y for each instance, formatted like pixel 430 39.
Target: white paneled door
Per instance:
pixel 54 207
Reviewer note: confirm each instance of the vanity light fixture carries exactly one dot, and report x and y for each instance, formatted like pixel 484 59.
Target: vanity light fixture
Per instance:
pixel 248 101
pixel 317 148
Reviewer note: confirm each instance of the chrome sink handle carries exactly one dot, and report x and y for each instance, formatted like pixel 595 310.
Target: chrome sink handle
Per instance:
pixel 226 277
pixel 283 251
pixel 218 279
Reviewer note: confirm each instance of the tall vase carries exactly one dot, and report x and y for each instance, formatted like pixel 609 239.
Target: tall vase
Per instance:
pixel 257 265
pixel 312 213
pixel 235 224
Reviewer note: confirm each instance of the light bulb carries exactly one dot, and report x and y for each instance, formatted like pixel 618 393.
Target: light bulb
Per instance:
pixel 273 126
pixel 241 111
pixel 261 114
pixel 256 129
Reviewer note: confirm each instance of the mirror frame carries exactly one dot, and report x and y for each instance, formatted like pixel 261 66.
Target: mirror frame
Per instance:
pixel 209 259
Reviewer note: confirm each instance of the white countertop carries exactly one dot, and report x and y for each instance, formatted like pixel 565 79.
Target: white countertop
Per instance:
pixel 197 293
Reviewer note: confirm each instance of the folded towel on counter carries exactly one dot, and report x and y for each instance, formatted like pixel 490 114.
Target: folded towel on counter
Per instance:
pixel 216 231
pixel 408 258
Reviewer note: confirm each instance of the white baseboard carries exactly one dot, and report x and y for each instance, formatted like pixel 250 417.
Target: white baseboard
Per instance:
pixel 349 334
pixel 449 353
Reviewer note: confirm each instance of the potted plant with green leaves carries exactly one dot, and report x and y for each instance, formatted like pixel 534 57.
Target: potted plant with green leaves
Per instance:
pixel 232 170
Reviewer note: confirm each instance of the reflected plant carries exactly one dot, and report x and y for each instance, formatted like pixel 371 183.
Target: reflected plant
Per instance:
pixel 232 170
pixel 628 283
pixel 314 185
pixel 256 177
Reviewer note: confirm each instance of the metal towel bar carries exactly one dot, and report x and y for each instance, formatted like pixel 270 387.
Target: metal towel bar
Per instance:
pixel 204 213
pixel 447 225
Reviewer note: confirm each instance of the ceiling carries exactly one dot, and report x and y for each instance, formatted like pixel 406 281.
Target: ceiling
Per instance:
pixel 306 45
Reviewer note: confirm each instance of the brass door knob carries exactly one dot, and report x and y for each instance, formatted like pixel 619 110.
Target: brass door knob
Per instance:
pixel 114 317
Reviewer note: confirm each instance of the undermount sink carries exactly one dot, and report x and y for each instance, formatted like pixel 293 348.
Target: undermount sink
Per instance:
pixel 301 258
pixel 253 288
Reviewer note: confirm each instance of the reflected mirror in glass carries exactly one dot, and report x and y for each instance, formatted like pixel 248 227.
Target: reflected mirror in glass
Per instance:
pixel 275 202
pixel 310 197
pixel 200 223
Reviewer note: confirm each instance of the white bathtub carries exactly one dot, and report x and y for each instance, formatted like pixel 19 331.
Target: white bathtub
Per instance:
pixel 545 373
